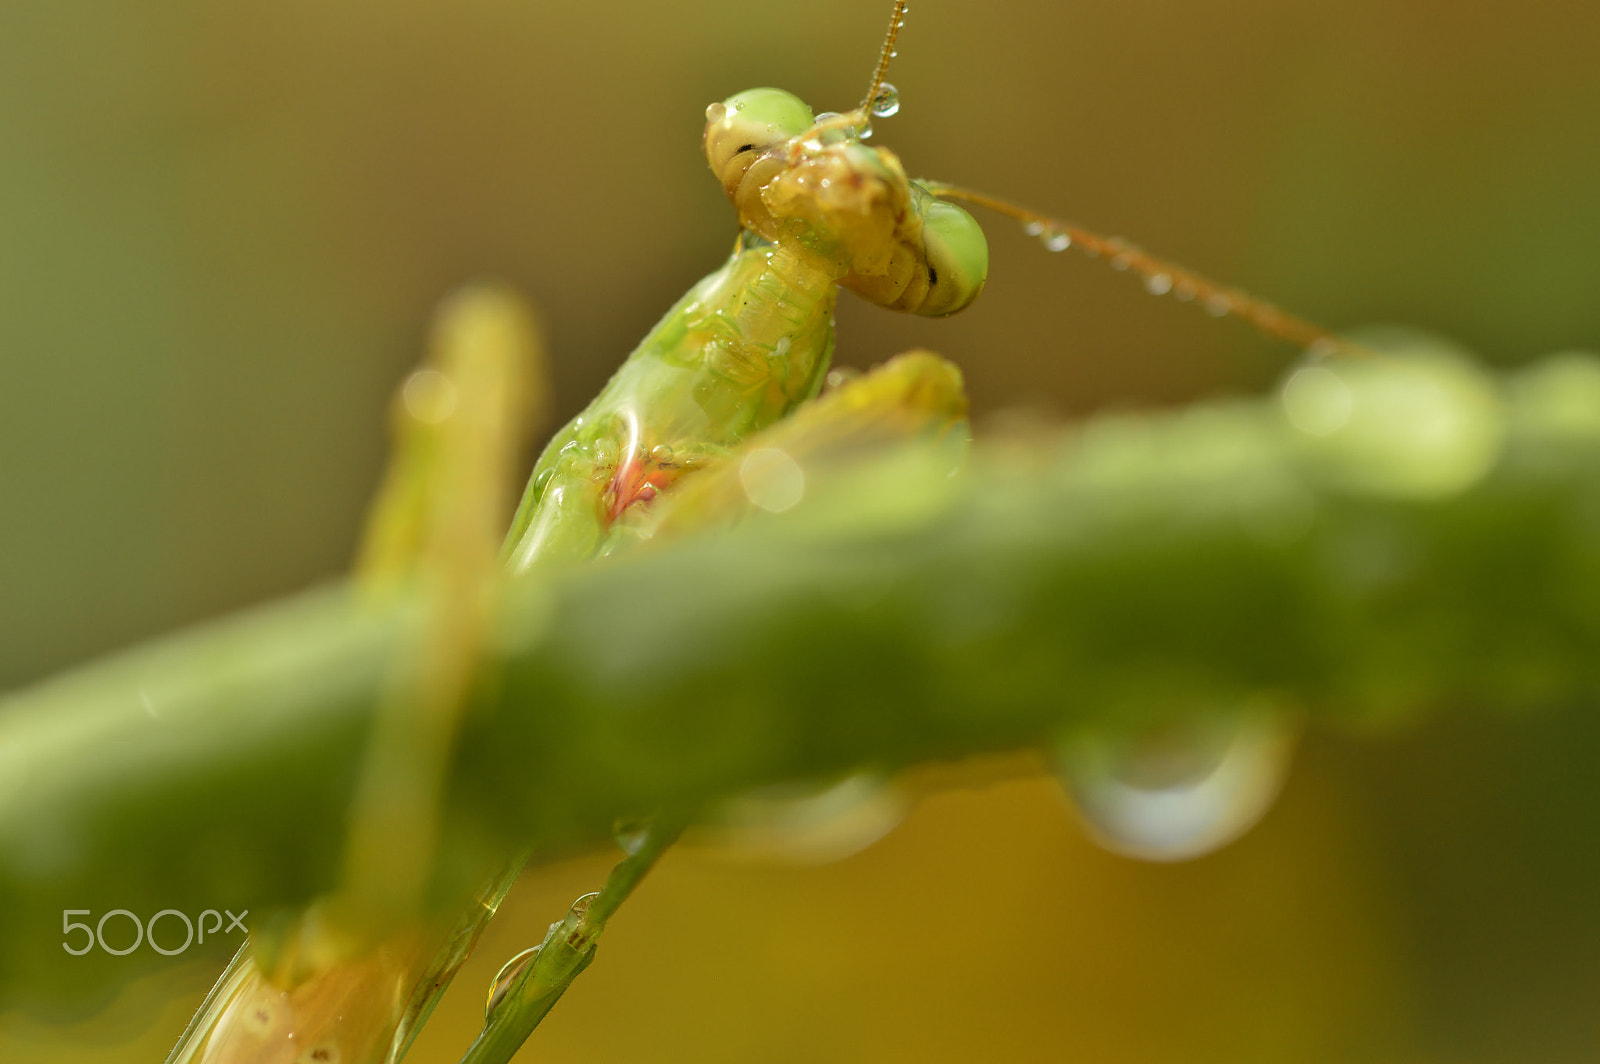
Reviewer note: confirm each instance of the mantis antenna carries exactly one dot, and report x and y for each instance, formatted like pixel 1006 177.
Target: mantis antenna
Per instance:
pixel 896 20
pixel 1160 276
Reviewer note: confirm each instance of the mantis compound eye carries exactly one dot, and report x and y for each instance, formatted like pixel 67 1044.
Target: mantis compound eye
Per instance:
pixel 744 126
pixel 957 259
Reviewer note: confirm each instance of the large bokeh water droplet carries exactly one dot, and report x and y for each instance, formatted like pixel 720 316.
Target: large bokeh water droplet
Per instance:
pixel 1422 422
pixel 1182 792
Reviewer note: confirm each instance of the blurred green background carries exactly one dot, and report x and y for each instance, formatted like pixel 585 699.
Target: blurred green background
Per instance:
pixel 222 230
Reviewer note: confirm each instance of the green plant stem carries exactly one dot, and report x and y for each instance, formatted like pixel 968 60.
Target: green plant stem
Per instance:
pixel 566 951
pixel 1137 568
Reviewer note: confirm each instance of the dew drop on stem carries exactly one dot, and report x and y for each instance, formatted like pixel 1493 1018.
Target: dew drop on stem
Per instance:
pixel 1180 792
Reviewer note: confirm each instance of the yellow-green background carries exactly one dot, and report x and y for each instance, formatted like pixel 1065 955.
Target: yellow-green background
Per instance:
pixel 222 227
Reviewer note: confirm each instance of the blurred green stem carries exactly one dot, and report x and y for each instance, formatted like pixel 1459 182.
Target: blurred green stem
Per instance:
pixel 1137 569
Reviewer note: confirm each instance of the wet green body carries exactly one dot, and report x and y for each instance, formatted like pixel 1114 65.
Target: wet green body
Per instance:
pixel 746 345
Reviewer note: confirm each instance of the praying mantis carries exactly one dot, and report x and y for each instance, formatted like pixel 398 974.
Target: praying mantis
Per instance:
pixel 667 495
pixel 709 399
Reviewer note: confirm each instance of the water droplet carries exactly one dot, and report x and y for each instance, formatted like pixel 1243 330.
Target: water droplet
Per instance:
pixel 837 378
pixel 1218 305
pixel 803 825
pixel 1033 228
pixel 1423 422
pixel 1055 239
pixel 1121 261
pixel 1158 284
pixel 772 480
pixel 662 454
pixel 429 396
pixel 1316 401
pixel 886 103
pixel 543 479
pixel 580 908
pixel 505 977
pixel 1182 793
pixel 716 112
pixel 631 833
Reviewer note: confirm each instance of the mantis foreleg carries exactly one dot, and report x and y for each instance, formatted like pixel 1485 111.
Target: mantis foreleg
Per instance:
pixel 353 977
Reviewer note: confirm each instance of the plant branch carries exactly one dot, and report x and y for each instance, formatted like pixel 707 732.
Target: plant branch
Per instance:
pixel 1136 568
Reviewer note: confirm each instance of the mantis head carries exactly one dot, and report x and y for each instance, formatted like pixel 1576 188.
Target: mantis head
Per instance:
pixel 811 183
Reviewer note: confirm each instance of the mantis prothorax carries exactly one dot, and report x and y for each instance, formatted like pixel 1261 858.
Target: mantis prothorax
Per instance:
pixel 663 447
